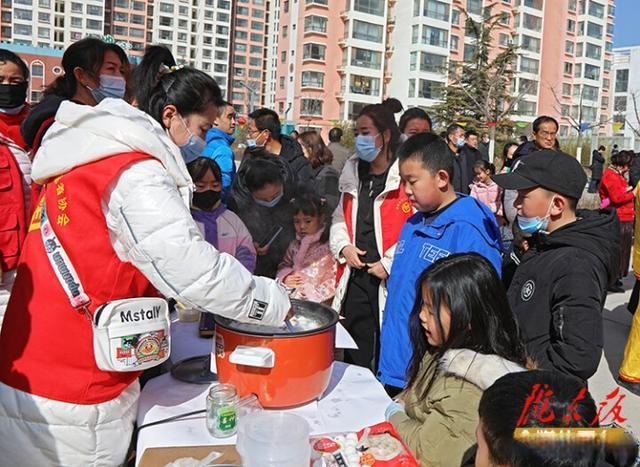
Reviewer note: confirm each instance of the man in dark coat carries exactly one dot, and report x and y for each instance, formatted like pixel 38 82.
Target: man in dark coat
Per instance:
pixel 597 167
pixel 464 157
pixel 558 290
pixel 265 131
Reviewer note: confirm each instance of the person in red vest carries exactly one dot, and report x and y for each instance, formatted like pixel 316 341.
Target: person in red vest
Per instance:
pixel 15 169
pixel 366 224
pixel 116 194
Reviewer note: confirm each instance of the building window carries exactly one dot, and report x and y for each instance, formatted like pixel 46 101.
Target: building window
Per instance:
pixel 25 15
pixel 315 24
pixel 413 61
pixel 536 4
pixel 412 88
pixel 469 52
pixel 37 69
pixel 166 7
pixel 528 86
pixel 569 47
pixel 593 51
pixel 282 82
pixel 505 39
pixel 367 31
pixel 622 80
pixel 572 5
pixel 283 56
pixel 435 36
pixel 94 10
pixel 591 71
pixel 566 89
pixel 366 58
pixel 474 7
pixel 311 107
pixel 596 9
pixel 571 25
pixel 44 17
pixel 313 79
pixel 533 23
pixel 455 17
pixel 454 43
pixel 75 7
pixel 436 10
pixel 526 108
pixel 121 17
pixel 365 85
pixel 22 29
pixel 372 7
pixel 432 63
pixel 620 104
pixel 529 65
pixel 285 31
pixel 590 93
pixel 44 33
pixel 568 68
pixel 594 30
pixel 430 89
pixel 317 2
pixel 313 51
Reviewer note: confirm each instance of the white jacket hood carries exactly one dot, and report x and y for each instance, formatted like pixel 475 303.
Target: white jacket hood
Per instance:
pixel 81 134
pixel 480 369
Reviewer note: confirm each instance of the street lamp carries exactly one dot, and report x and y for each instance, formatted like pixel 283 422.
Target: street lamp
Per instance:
pixel 252 93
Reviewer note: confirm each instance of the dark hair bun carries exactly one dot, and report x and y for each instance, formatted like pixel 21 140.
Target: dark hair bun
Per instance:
pixel 393 105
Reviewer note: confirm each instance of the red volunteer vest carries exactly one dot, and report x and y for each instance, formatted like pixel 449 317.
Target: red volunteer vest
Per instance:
pixel 46 346
pixel 13 224
pixel 394 212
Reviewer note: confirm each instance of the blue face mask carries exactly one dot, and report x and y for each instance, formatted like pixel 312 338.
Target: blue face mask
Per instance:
pixel 366 147
pixel 194 146
pixel 269 204
pixel 110 86
pixel 535 224
pixel 459 142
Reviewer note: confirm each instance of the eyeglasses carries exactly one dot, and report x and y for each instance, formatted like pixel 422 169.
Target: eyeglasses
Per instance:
pixel 547 134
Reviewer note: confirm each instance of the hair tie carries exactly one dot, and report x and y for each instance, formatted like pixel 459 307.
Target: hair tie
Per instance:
pixel 167 70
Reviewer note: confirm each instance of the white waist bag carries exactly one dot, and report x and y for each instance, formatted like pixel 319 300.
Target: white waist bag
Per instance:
pixel 128 335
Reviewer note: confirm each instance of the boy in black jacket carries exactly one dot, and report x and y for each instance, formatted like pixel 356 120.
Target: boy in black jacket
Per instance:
pixel 558 291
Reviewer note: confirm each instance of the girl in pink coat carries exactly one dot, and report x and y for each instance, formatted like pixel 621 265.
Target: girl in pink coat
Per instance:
pixel 486 190
pixel 308 268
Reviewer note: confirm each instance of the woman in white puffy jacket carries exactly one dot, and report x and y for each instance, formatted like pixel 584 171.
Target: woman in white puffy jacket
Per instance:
pixel 116 193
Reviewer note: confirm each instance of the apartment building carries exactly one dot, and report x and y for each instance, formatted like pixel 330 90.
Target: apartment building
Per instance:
pixel 247 63
pixel 50 23
pixel 198 32
pixel 626 95
pixel 326 60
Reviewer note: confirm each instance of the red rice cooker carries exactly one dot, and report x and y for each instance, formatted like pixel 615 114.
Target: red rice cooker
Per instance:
pixel 285 366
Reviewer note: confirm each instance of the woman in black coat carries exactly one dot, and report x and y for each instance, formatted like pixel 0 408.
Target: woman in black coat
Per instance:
pixel 325 176
pixel 597 167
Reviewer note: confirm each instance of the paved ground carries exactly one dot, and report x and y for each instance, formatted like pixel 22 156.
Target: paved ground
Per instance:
pixel 617 322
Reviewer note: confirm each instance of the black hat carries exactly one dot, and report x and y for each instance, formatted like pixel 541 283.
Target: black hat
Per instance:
pixel 553 170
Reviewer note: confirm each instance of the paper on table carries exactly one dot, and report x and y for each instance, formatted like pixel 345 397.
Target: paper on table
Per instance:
pixel 353 400
pixel 343 338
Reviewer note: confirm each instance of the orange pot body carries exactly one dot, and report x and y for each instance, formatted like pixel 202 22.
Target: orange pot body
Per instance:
pixel 300 374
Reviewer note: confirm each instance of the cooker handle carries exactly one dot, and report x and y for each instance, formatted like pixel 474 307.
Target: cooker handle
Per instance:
pixel 260 357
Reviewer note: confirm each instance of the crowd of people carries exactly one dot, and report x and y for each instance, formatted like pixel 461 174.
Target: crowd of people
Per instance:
pixel 463 286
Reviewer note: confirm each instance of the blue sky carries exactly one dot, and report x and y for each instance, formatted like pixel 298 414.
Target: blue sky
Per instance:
pixel 626 31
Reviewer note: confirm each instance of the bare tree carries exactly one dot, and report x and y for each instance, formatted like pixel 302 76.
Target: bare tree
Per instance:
pixel 478 92
pixel 577 121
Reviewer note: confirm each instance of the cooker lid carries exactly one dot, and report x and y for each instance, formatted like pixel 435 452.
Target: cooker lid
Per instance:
pixel 309 318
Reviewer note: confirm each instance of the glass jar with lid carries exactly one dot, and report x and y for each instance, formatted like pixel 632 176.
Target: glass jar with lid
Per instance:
pixel 222 410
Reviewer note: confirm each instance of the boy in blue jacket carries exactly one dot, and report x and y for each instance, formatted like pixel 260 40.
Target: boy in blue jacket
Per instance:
pixel 219 140
pixel 446 223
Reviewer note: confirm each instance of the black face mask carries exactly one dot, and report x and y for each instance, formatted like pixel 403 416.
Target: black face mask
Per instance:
pixel 12 95
pixel 206 200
